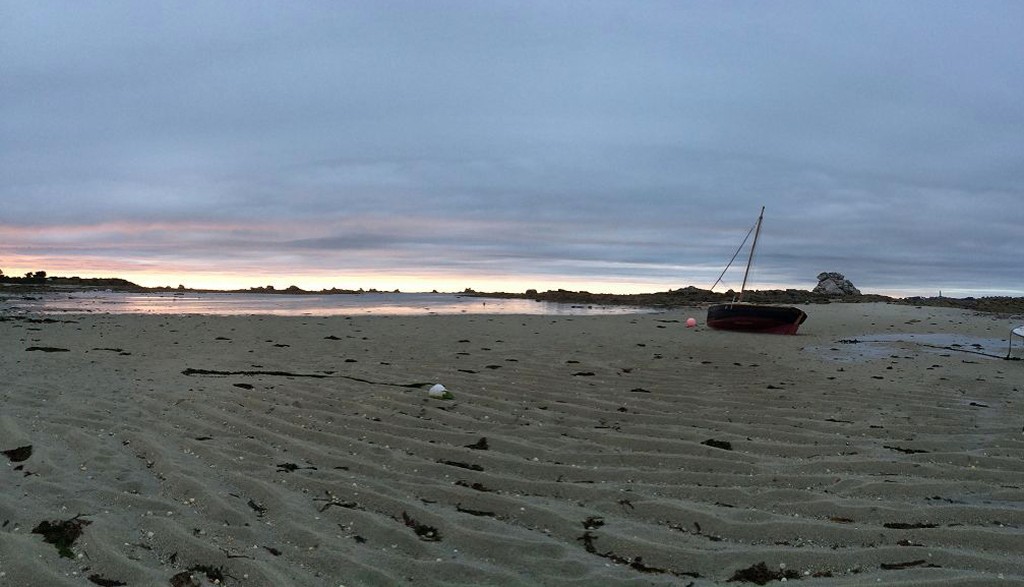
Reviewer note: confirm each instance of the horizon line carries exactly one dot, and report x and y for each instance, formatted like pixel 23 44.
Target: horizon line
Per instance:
pixel 887 292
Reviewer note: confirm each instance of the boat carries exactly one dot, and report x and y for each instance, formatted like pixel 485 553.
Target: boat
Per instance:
pixel 746 317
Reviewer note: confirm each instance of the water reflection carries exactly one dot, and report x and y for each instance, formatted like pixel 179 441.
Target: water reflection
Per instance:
pixel 879 346
pixel 392 304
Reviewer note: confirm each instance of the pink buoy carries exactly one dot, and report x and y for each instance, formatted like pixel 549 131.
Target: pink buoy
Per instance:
pixel 691 322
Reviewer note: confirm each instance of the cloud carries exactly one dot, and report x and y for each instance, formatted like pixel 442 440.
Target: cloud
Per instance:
pixel 599 140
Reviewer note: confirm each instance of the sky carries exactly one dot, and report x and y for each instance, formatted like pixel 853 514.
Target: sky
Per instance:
pixel 601 146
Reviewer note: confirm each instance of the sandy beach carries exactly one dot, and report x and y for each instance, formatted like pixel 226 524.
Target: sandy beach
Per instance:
pixel 605 450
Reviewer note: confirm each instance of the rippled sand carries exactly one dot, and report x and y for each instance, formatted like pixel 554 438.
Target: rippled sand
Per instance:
pixel 607 450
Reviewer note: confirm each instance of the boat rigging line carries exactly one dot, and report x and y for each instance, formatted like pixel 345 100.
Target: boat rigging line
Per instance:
pixel 736 254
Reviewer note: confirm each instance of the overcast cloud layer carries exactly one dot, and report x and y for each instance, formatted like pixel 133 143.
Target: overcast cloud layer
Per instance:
pixel 628 145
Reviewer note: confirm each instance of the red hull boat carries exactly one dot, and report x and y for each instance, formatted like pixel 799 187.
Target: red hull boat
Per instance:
pixel 756 318
pixel 761 318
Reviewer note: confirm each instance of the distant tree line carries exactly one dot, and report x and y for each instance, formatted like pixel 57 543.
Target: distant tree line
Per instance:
pixel 30 277
pixel 41 278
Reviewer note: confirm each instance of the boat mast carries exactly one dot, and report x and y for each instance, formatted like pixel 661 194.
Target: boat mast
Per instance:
pixel 750 259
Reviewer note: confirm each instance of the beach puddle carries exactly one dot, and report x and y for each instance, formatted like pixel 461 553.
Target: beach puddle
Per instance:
pixel 872 347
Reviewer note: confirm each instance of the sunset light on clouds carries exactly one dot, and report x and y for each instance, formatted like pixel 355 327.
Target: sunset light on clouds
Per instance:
pixel 605 146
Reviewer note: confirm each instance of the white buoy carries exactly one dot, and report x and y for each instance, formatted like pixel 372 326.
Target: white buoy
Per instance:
pixel 439 391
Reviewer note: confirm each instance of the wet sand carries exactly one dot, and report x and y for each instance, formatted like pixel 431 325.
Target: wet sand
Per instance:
pixel 611 450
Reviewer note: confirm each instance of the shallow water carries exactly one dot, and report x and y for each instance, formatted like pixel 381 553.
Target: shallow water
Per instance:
pixel 294 305
pixel 879 346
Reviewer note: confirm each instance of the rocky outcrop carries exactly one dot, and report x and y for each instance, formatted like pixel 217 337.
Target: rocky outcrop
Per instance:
pixel 835 284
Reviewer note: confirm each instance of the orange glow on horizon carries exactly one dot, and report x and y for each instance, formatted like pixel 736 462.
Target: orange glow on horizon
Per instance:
pixel 405 282
pixel 155 275
pixel 283 271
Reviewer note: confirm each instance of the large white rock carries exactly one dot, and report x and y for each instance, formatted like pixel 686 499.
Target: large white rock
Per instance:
pixel 835 284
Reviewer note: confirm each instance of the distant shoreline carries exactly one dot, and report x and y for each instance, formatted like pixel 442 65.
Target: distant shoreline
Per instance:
pixel 690 296
pixel 71 284
pixel 683 297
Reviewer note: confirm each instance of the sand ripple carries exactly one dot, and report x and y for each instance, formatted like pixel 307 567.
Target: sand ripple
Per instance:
pixel 576 451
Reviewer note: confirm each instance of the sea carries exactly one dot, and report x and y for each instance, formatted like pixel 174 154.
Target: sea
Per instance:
pixel 241 304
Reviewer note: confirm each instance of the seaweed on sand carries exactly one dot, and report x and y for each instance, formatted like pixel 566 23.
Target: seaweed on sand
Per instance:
pixel 722 444
pixel 479 445
pixel 105 582
pixel 186 578
pixel 425 532
pixel 62 533
pixel 760 574
pixel 17 455
pixel 636 563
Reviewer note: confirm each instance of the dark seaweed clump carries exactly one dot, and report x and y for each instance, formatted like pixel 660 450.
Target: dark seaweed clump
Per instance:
pixel 17 455
pixel 425 532
pixel 760 574
pixel 62 533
